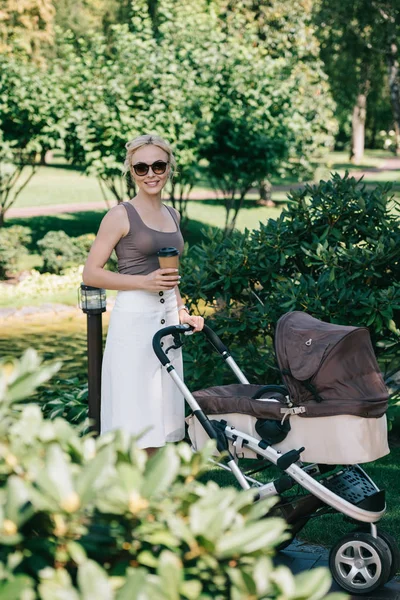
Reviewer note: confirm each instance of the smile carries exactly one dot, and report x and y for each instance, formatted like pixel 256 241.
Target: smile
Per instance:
pixel 152 183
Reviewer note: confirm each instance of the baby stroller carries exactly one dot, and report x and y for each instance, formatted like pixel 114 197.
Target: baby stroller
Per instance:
pixel 316 429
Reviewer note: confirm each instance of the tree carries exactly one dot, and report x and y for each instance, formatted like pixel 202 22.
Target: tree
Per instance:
pixel 26 27
pixel 179 71
pixel 32 113
pixel 141 79
pixel 359 46
pixel 109 89
pixel 187 35
pixel 388 14
pixel 272 111
pixel 85 17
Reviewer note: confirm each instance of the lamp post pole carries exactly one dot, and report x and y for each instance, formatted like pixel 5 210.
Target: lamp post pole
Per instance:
pixel 93 303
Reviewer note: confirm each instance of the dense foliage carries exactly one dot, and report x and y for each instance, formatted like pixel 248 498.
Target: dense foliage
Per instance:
pixel 13 245
pixel 332 253
pixel 59 251
pixel 213 87
pixel 360 49
pixel 32 116
pixel 83 519
pixel 214 93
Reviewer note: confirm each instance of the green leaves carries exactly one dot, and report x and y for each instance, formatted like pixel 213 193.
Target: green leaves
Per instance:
pixel 252 538
pixel 93 519
pixel 161 471
pixel 333 253
pixel 18 380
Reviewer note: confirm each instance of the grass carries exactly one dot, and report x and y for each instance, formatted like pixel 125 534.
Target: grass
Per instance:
pixel 60 183
pixel 56 184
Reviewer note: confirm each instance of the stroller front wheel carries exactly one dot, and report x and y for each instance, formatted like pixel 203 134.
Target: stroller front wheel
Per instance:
pixel 394 551
pixel 360 563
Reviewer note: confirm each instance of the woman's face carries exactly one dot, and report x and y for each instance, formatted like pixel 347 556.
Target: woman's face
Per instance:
pixel 151 183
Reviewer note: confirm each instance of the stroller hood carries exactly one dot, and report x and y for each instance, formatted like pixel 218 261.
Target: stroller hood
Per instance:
pixel 331 369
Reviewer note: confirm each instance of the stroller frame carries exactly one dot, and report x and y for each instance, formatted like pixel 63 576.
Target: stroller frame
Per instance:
pixel 293 471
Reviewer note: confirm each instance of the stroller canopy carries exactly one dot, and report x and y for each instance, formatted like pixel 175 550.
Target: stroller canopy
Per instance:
pixel 330 369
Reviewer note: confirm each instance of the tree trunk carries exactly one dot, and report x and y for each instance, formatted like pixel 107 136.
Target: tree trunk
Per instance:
pixel 265 191
pixel 358 129
pixel 394 88
pixel 2 217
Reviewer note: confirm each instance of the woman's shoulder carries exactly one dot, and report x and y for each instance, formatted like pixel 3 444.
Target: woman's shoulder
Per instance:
pixel 117 217
pixel 175 212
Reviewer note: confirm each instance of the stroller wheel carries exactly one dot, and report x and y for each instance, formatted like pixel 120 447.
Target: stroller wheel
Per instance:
pixel 393 548
pixel 360 563
pixel 394 551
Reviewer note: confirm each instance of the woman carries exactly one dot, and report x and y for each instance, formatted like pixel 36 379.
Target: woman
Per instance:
pixel 137 393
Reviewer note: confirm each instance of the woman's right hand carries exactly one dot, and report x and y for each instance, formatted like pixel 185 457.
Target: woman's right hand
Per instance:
pixel 161 279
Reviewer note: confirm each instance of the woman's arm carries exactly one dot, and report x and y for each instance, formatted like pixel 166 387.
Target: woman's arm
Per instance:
pixel 113 227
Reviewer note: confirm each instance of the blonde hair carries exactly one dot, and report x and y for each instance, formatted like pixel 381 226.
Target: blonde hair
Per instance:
pixel 144 140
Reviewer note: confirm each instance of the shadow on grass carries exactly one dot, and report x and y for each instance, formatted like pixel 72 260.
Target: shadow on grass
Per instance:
pixel 248 204
pixel 351 167
pixel 75 224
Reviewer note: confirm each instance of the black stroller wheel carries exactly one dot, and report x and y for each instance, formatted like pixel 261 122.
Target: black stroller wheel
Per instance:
pixel 394 551
pixel 360 563
pixel 393 548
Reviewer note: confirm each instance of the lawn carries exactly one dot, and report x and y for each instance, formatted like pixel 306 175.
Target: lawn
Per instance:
pixel 60 183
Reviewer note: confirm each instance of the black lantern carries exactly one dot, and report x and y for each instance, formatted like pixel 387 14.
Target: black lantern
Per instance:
pixel 92 300
pixel 93 303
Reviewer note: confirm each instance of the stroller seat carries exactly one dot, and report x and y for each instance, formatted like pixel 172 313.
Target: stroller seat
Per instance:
pixel 337 395
pixel 338 439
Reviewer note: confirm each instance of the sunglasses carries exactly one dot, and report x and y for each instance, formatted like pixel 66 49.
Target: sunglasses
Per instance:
pixel 158 167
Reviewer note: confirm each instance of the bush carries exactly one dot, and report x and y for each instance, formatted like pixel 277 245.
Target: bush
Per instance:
pixel 59 251
pixel 84 518
pixel 13 241
pixel 67 398
pixel 334 253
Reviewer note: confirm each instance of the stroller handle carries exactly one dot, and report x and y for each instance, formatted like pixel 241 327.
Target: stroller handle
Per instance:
pixel 176 331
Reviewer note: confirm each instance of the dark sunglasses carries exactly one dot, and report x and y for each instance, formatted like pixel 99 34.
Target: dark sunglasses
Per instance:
pixel 158 167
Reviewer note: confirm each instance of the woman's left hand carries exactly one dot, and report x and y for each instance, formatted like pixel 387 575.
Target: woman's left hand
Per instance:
pixel 194 321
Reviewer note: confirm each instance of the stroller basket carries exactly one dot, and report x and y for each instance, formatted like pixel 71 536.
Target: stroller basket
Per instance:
pixel 354 485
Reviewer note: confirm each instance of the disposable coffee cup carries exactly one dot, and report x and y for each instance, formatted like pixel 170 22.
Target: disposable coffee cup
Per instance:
pixel 168 258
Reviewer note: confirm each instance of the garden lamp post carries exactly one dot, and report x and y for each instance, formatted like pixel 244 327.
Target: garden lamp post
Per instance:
pixel 92 301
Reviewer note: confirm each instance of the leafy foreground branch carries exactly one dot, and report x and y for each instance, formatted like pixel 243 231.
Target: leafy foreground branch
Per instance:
pixel 82 518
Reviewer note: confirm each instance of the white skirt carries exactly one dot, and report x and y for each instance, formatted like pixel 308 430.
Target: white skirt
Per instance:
pixel 137 394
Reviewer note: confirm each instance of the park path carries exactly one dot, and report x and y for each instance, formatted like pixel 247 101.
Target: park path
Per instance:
pixel 53 209
pixel 390 164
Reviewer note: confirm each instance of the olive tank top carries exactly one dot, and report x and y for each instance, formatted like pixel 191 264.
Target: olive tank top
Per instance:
pixel 137 251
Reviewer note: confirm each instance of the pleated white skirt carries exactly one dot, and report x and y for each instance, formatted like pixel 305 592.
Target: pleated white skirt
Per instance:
pixel 137 394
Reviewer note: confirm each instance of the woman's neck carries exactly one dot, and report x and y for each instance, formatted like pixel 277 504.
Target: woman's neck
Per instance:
pixel 147 201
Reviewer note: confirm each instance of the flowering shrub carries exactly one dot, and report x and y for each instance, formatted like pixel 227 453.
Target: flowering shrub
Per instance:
pixel 82 518
pixel 41 284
